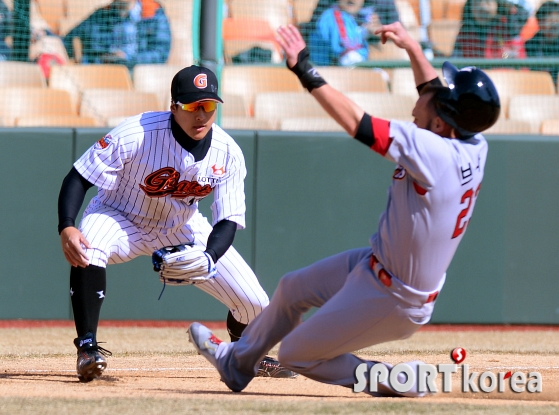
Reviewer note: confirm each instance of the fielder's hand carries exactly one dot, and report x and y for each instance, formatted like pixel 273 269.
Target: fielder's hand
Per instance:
pixel 73 243
pixel 183 264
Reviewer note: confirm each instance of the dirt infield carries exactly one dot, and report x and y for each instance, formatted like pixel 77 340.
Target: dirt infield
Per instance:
pixel 155 370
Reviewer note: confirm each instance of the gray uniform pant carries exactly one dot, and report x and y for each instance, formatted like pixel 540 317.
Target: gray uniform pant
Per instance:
pixel 356 311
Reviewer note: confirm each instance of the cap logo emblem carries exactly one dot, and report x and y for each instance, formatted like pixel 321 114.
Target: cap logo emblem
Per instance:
pixel 201 81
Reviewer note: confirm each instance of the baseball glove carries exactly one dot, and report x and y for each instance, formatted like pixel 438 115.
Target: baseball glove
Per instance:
pixel 183 264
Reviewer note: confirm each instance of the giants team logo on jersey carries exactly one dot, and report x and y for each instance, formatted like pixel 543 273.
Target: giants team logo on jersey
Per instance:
pixel 201 81
pixel 104 142
pixel 399 173
pixel 165 182
pixel 218 171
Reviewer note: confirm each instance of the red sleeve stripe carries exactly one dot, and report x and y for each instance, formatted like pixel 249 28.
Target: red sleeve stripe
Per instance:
pixel 381 131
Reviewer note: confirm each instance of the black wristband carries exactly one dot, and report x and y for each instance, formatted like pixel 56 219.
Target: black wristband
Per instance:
pixel 307 74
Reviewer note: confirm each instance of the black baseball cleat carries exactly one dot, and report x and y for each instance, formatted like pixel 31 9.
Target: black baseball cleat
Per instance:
pixel 271 368
pixel 91 358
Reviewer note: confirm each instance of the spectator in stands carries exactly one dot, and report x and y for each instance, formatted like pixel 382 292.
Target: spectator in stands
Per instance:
pixel 545 42
pixel 5 31
pixel 337 38
pixel 46 47
pixel 491 28
pixel 125 32
pixel 371 12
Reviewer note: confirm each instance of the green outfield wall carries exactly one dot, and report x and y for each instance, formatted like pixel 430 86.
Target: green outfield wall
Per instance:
pixel 308 196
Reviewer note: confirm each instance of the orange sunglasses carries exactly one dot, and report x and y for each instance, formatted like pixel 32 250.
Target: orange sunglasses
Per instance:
pixel 208 106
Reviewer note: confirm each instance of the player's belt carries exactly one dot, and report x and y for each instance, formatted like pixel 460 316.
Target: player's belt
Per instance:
pixel 388 281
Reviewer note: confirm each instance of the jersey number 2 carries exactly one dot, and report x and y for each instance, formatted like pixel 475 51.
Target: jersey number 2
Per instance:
pixel 460 222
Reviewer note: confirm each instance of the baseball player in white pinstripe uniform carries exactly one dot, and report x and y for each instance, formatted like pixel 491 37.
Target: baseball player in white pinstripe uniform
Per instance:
pixel 386 291
pixel 151 171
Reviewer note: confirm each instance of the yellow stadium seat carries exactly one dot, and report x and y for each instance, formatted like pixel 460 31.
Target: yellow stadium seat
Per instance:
pixel 241 34
pixel 234 106
pixel 454 9
pixel 55 121
pixel 76 78
pixel 247 123
pixel 20 102
pixel 534 108
pixel 21 74
pixel 52 11
pixel 249 80
pixel 106 104
pixel 276 12
pixel 387 52
pixel 521 82
pixel 438 9
pixel 303 10
pixel 402 82
pixel 310 124
pixel 77 11
pixel 276 106
pixel 155 78
pixel 354 79
pixel 505 126
pixel 180 15
pixel 443 33
pixel 385 105
pixel 550 127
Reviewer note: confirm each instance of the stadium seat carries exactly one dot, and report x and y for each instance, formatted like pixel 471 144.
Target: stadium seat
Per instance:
pixel 21 74
pixel 76 78
pixel 155 78
pixel 303 10
pixel 247 123
pixel 438 9
pixel 71 121
pixel 505 126
pixel 241 34
pixel 534 108
pixel 402 82
pixel 52 11
pixel 77 11
pixel 276 12
pixel 181 15
pixel 276 106
pixel 550 127
pixel 354 79
pixel 249 80
pixel 387 52
pixel 19 102
pixel 454 9
pixel 310 124
pixel 521 82
pixel 408 18
pixel 443 33
pixel 234 106
pixel 106 104
pixel 385 105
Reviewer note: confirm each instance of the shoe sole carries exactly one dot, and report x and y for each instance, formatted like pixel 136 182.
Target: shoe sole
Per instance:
pixel 92 372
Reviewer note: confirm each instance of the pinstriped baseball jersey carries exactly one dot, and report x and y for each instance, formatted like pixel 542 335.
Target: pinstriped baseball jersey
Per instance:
pixel 148 193
pixel 430 201
pixel 143 172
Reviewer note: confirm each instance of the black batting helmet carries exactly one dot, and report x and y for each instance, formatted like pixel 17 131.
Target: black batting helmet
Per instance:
pixel 470 103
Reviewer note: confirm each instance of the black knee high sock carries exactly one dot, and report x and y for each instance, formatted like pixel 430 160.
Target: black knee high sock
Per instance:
pixel 234 328
pixel 87 288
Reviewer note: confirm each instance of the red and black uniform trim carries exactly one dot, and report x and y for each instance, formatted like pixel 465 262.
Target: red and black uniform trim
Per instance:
pixel 374 133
